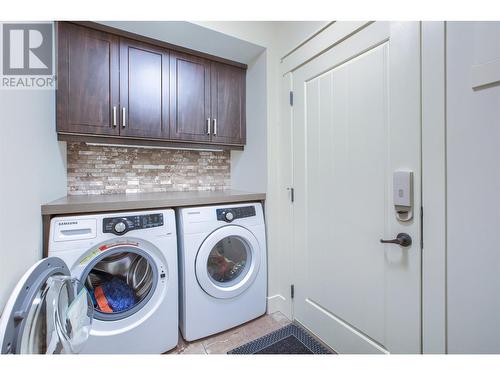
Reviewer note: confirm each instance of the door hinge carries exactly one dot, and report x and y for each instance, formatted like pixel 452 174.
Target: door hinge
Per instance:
pixel 292 291
pixel 292 194
pixel 421 227
pixel 291 98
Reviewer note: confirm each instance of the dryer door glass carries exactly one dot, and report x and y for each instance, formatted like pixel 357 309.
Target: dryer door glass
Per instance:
pixel 48 313
pixel 228 259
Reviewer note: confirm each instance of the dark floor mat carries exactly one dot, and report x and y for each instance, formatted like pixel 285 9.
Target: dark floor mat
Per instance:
pixel 288 345
pixel 290 339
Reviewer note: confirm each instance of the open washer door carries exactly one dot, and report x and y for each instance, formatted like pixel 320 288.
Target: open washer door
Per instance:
pixel 49 312
pixel 228 261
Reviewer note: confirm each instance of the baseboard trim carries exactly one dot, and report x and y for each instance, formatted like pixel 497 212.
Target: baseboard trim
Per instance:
pixel 277 303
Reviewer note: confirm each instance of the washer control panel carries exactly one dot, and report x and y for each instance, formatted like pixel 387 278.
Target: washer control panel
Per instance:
pixel 230 214
pixel 122 225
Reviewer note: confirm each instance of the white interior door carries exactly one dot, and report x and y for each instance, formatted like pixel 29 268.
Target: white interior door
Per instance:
pixel 356 120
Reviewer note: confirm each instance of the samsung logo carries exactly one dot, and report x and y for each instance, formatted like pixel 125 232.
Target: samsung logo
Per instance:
pixel 68 222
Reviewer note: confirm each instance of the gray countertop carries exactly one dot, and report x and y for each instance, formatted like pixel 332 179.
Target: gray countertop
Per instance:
pixel 73 204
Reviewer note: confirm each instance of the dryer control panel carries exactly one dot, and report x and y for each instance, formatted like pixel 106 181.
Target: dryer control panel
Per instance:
pixel 122 225
pixel 230 214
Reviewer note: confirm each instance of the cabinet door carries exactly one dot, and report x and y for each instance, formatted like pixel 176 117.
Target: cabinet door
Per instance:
pixel 228 104
pixel 87 80
pixel 144 90
pixel 190 98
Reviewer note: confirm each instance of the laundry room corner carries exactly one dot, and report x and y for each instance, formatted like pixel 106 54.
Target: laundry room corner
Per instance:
pixel 251 187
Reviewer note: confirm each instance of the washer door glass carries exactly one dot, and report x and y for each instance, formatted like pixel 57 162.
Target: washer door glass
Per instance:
pixel 228 261
pixel 120 281
pixel 48 313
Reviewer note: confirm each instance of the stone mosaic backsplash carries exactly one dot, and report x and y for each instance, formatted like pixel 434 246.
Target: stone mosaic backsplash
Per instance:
pixel 115 170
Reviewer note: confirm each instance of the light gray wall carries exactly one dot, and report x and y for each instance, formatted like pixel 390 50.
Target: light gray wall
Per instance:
pixel 33 172
pixel 473 191
pixel 249 167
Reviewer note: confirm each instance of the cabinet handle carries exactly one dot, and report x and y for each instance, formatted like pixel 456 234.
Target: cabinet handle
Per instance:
pixel 208 126
pixel 215 126
pixel 114 116
pixel 124 113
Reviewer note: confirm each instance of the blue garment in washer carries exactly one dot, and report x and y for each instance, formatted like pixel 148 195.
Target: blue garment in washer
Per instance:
pixel 119 294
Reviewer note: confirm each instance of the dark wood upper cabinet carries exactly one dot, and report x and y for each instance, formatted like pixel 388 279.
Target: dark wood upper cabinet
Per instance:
pixel 190 99
pixel 228 104
pixel 87 80
pixel 144 90
pixel 117 87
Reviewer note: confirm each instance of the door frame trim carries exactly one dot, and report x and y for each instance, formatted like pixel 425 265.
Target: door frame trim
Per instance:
pixel 327 38
pixel 434 230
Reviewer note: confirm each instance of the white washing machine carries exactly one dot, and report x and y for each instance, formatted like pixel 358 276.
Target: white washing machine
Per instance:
pixel 109 285
pixel 223 267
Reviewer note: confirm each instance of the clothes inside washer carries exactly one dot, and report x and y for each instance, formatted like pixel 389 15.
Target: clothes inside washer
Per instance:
pixel 114 295
pixel 119 294
pixel 101 301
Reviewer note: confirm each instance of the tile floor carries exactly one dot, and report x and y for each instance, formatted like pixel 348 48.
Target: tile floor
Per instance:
pixel 228 340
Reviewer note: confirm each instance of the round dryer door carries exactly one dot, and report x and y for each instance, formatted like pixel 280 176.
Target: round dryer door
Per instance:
pixel 49 312
pixel 228 261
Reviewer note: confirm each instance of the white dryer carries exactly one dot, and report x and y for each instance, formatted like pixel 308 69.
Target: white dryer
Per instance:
pixel 223 267
pixel 109 285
